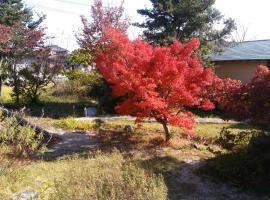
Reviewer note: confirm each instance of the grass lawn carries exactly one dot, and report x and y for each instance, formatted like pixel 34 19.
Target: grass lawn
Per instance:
pixel 151 171
pixel 202 130
pixel 94 176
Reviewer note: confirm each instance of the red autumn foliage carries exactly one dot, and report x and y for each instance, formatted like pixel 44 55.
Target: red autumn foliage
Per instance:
pixel 221 91
pixel 243 101
pixel 252 100
pixel 155 82
pixel 5 35
pixel 18 41
pixel 101 18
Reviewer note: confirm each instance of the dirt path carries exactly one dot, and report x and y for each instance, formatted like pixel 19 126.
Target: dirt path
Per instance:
pixel 70 143
pixel 214 120
pixel 191 186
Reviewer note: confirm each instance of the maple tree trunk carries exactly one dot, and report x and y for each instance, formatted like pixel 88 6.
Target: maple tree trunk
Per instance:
pixel 167 131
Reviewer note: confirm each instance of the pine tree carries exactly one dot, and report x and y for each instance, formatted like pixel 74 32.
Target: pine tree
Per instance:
pixel 170 20
pixel 12 11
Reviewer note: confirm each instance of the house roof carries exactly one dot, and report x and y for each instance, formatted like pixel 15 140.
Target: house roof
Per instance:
pixel 249 50
pixel 56 48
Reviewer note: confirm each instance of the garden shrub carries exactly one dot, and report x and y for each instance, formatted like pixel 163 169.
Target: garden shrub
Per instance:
pixel 88 85
pixel 81 84
pixel 73 74
pixel 22 141
pixel 229 140
pixel 244 101
pixel 246 166
pixel 221 92
pixel 252 100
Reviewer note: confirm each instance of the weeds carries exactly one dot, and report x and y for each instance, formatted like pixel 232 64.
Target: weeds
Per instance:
pixel 98 176
pixel 21 141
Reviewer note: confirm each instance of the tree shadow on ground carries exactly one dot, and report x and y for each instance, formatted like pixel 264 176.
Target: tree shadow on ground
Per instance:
pixel 184 182
pixel 246 167
pixel 68 144
pixel 81 143
pixel 170 168
pixel 123 141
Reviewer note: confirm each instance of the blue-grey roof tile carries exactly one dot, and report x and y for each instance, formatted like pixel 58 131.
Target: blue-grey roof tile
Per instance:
pixel 250 50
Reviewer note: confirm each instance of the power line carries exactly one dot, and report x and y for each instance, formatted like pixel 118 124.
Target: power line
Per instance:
pixel 74 3
pixel 58 10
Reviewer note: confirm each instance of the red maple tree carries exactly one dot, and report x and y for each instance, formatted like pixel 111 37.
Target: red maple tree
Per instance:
pixel 155 82
pixel 5 36
pixel 102 17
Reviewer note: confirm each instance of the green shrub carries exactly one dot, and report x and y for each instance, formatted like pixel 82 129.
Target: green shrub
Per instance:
pixel 246 166
pixel 73 74
pixel 88 85
pixel 81 84
pixel 230 140
pixel 22 141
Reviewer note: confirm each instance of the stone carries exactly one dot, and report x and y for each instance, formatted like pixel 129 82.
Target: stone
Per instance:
pixel 194 146
pixel 98 123
pixel 26 195
pixel 129 129
pixel 90 112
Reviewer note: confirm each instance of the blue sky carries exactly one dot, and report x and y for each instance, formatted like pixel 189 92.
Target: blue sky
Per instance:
pixel 63 16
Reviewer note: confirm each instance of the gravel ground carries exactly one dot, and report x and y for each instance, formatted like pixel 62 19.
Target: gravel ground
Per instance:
pixel 198 119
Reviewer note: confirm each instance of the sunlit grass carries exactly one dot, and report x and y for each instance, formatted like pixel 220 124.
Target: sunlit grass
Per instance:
pixel 100 176
pixel 203 130
pixel 6 95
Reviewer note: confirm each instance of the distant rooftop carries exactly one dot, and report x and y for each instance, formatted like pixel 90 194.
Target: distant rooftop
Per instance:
pixel 249 50
pixel 56 48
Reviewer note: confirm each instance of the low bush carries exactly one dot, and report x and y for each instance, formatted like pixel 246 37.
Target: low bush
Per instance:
pixel 21 141
pixel 246 166
pixel 244 101
pixel 230 140
pixel 73 74
pixel 88 86
pixel 81 84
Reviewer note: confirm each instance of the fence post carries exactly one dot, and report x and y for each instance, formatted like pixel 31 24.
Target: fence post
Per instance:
pixel 85 111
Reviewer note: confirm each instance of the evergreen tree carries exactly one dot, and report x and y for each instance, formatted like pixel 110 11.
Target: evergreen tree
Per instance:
pixel 12 11
pixel 168 20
